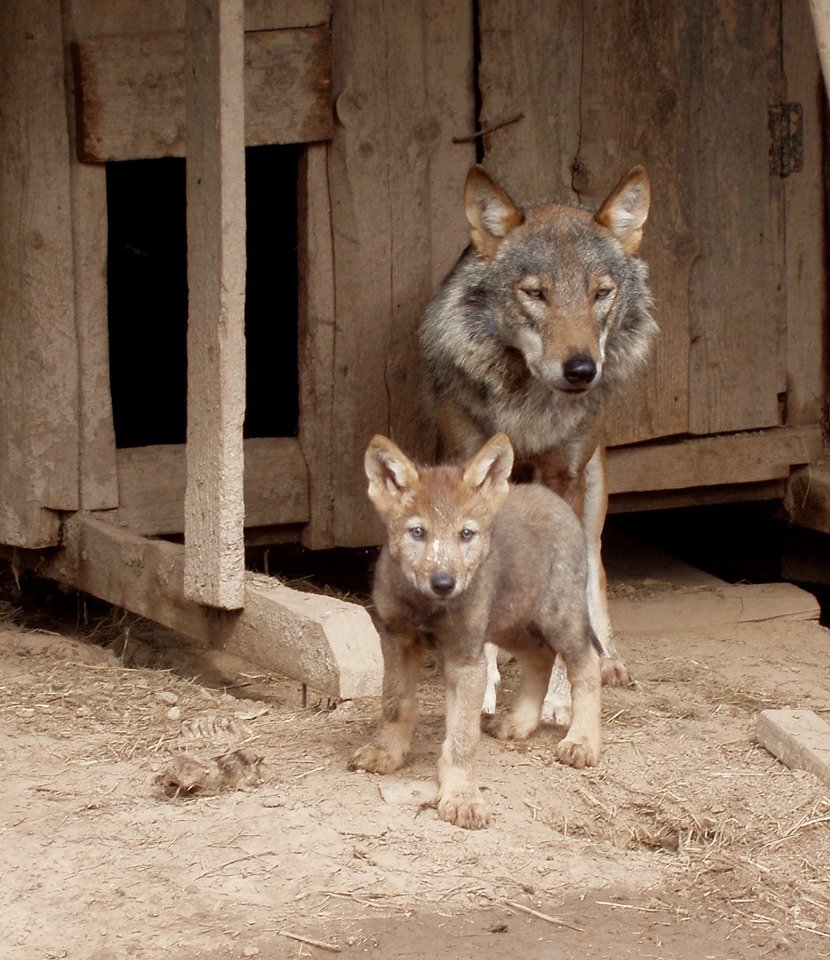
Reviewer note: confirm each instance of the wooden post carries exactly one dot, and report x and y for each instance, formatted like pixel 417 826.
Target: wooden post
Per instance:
pixel 38 343
pixel 821 21
pixel 214 546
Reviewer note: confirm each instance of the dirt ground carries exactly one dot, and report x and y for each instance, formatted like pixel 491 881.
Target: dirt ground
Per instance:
pixel 687 841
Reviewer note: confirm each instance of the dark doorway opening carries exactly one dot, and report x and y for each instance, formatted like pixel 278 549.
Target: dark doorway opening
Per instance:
pixel 147 297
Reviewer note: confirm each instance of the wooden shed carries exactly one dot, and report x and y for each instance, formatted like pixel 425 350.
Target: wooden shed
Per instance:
pixel 346 129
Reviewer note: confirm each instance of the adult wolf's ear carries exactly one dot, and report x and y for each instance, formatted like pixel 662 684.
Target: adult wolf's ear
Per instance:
pixel 490 211
pixel 390 472
pixel 489 470
pixel 626 209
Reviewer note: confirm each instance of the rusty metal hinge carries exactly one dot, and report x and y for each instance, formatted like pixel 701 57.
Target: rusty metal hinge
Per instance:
pixel 786 139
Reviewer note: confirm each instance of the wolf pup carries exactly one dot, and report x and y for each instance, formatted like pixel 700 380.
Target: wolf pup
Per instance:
pixel 545 314
pixel 468 559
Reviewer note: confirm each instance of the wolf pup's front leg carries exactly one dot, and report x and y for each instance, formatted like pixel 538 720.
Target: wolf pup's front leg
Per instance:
pixel 459 799
pixel 389 747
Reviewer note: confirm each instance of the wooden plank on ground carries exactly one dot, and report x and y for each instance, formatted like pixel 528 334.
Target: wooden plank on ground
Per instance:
pixel 110 18
pixel 800 739
pixel 665 595
pixel 706 461
pixel 804 207
pixel 316 343
pixel 151 486
pixel 808 500
pixel 327 643
pixel 402 86
pixel 214 551
pixel 38 344
pixel 130 92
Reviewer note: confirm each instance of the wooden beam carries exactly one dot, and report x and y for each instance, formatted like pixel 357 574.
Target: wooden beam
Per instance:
pixel 151 486
pixel 130 92
pixel 214 552
pixel 769 490
pixel 38 341
pixel 731 458
pixel 820 9
pixel 327 643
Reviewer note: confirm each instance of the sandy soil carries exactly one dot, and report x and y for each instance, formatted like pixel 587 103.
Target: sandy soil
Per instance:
pixel 688 841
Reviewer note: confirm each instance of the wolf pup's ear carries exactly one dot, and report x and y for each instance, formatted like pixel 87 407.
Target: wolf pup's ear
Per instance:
pixel 389 470
pixel 490 211
pixel 489 470
pixel 626 209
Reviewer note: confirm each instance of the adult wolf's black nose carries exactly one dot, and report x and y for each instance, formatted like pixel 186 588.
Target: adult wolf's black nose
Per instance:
pixel 443 584
pixel 580 370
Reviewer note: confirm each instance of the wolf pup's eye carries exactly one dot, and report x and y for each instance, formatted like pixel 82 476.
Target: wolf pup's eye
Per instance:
pixel 467 534
pixel 536 293
pixel 417 533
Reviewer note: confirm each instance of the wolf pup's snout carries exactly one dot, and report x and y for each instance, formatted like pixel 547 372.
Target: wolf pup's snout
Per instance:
pixel 443 584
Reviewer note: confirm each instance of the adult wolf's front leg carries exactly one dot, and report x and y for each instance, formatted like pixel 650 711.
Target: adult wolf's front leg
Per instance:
pixel 459 799
pixel 389 747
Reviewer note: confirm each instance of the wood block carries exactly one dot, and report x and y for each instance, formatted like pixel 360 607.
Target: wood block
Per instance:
pixel 324 642
pixel 130 92
pixel 798 738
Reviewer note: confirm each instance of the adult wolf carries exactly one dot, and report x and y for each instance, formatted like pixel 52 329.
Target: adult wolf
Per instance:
pixel 547 312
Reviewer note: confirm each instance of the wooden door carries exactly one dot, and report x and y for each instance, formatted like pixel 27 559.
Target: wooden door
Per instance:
pixel 683 88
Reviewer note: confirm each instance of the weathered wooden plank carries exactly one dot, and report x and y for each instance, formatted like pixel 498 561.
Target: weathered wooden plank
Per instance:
pixel 98 479
pixel 131 92
pixel 769 490
pixel 327 643
pixel 731 71
pixel 214 511
pixel 633 110
pixel 706 461
pixel 808 499
pixel 316 343
pixel 38 345
pixel 820 10
pixel 151 486
pixel 401 85
pixel 798 738
pixel 108 18
pixel 804 206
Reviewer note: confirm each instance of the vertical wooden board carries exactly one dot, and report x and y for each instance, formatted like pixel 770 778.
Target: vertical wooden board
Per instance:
pixel 531 51
pixel 316 342
pixel 806 234
pixel 820 10
pixel 731 69
pixel 633 110
pixel 394 70
pixel 38 346
pixel 214 511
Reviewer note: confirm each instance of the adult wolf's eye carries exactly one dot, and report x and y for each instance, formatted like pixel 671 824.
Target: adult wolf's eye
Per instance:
pixel 467 534
pixel 417 533
pixel 603 293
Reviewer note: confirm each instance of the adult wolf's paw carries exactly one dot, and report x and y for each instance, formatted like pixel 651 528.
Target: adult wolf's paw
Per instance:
pixel 577 753
pixel 466 809
pixel 614 672
pixel 507 727
pixel 376 759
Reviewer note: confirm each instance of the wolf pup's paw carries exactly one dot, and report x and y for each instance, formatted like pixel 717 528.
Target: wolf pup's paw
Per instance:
pixel 577 753
pixel 376 759
pixel 465 808
pixel 507 727
pixel 614 672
